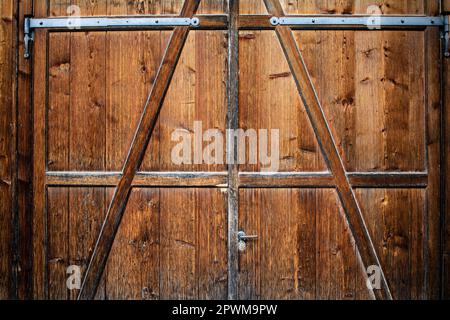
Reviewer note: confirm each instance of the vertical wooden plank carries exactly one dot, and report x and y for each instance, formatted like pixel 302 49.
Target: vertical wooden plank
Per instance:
pixel 178 238
pixel 25 157
pixel 58 159
pixel 288 258
pixel 88 112
pixel 117 8
pixel 232 120
pixel 91 8
pixel 446 6
pixel 391 6
pixel 130 74
pixel 87 140
pixel 58 7
pixel 369 142
pixel 58 246
pixel 403 102
pixel 7 147
pixel 390 215
pixel 213 7
pixel 249 271
pixel 433 142
pixel 418 225
pixel 210 86
pixel 446 151
pixel 133 266
pixel 211 248
pixel 252 7
pixel 318 6
pixel 269 100
pixel 193 244
pixel 279 256
pixel 39 159
pixel 336 264
pixel 333 76
pixel 305 203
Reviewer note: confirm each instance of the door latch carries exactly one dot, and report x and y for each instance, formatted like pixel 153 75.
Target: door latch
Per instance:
pixel 243 239
pixel 28 37
pixel 446 37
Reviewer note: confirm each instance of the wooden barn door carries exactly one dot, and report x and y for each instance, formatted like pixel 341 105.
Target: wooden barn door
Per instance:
pixel 90 89
pixel 374 130
pixel 358 181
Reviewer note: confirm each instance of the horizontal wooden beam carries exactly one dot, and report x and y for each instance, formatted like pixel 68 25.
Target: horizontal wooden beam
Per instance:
pixel 246 179
pixel 389 180
pixel 142 179
pixel 285 180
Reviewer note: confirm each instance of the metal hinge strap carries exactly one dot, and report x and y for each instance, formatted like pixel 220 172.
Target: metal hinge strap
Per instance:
pixel 28 38
pixel 85 23
pixel 369 21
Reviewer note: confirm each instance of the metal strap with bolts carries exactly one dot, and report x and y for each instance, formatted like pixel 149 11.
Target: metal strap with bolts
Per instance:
pixel 103 23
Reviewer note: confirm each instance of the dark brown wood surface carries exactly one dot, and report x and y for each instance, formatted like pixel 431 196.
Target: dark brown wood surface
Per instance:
pixel 8 179
pixel 380 92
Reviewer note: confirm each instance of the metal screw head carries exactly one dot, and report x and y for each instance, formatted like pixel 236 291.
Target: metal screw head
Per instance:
pixel 274 21
pixel 195 22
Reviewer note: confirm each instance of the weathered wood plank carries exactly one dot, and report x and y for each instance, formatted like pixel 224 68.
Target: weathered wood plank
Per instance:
pixel 249 268
pixel 232 120
pixel 212 249
pixel 133 265
pixel 193 244
pixel 8 180
pixel 446 167
pixel 39 165
pixel 433 157
pixel 260 108
pixel 445 6
pixel 58 244
pixel 24 151
pixel 88 111
pixel 400 245
pixel 246 179
pixel 58 120
pixel 135 157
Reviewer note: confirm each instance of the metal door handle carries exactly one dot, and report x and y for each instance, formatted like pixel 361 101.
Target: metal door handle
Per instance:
pixel 243 237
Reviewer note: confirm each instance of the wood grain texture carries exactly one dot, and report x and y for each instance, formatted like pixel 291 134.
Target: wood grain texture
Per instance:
pixel 135 156
pixel 445 6
pixel 135 7
pixel 7 149
pixel 433 143
pixel 39 221
pixel 193 258
pixel 446 144
pixel 397 221
pixel 24 158
pixel 269 100
pixel 304 251
pixel 324 136
pixel 232 147
pixel 380 96
pixel 342 7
